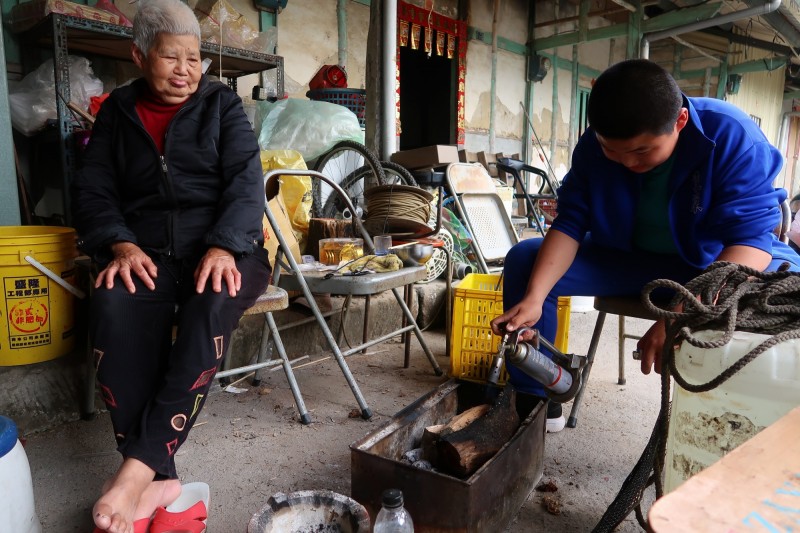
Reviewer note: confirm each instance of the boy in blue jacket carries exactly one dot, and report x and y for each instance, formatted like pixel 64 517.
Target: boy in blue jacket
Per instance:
pixel 661 186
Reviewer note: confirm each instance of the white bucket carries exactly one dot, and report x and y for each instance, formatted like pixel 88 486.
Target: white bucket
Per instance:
pixel 582 304
pixel 705 426
pixel 16 489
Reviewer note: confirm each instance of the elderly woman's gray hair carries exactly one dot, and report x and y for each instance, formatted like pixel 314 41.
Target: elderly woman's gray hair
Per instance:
pixel 162 16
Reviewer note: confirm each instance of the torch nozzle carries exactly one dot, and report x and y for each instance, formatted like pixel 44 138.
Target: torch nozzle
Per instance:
pixel 493 376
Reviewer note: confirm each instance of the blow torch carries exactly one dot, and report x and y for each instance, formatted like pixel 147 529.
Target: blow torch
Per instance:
pixel 560 376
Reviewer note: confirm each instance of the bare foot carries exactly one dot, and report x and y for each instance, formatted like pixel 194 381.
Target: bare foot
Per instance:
pixel 114 511
pixel 157 494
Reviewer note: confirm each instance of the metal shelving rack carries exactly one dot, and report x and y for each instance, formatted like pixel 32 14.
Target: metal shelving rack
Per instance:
pixel 66 33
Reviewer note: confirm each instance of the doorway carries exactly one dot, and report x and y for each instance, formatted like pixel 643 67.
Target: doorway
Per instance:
pixel 427 99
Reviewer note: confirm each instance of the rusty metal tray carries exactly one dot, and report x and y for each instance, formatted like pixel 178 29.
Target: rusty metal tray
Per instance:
pixel 485 502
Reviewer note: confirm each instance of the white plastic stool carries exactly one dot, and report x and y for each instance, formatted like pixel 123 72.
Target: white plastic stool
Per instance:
pixel 16 489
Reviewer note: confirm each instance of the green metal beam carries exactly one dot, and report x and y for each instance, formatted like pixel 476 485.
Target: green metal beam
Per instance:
pixel 9 199
pixel 474 34
pixel 566 64
pixel 583 24
pixel 670 20
pixel 680 17
pixel 634 33
pixel 791 95
pixel 362 2
pixel 267 19
pixel 722 79
pixel 757 65
pixel 568 39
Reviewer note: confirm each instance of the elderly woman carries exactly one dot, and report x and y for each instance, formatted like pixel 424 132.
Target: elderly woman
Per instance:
pixel 169 204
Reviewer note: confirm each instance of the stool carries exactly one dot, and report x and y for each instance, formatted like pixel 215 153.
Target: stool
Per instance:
pixel 617 305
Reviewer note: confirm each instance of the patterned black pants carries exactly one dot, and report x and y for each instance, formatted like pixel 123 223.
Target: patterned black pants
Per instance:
pixel 154 388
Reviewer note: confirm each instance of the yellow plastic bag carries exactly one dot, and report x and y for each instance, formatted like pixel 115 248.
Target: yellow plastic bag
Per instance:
pixel 295 190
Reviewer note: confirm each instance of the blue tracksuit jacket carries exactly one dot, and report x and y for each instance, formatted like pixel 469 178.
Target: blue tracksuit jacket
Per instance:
pixel 721 194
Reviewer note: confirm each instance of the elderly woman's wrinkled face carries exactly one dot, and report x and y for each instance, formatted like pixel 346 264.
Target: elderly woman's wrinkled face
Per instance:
pixel 172 67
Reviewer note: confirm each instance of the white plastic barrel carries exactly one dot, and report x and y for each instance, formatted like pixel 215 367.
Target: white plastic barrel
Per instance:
pixel 705 426
pixel 17 511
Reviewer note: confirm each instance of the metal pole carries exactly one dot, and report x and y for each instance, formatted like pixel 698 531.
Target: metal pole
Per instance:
pixel 341 19
pixel 766 7
pixel 389 71
pixel 493 78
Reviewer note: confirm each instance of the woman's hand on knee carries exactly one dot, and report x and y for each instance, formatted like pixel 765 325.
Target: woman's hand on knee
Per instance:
pixel 218 265
pixel 128 259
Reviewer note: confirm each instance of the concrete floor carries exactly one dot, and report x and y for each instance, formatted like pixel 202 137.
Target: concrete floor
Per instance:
pixel 249 446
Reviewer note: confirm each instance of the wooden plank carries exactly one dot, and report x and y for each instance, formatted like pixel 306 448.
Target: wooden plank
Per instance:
pixel 756 487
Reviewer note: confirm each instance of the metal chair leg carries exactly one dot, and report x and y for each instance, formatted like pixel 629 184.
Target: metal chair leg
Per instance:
pixel 365 330
pixel 408 296
pixel 88 408
pixel 448 309
pixel 572 421
pixel 622 337
pixel 264 350
pixel 407 312
pixel 305 418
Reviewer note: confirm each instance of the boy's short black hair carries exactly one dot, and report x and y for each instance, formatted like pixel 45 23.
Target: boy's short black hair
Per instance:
pixel 634 97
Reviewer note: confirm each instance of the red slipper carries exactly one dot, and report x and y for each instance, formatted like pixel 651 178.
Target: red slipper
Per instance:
pixel 139 526
pixel 188 513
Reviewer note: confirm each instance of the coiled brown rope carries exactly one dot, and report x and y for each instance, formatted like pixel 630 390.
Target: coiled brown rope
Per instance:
pixel 726 297
pixel 389 203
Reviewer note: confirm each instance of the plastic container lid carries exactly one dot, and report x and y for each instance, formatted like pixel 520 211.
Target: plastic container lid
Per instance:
pixel 392 498
pixel 8 435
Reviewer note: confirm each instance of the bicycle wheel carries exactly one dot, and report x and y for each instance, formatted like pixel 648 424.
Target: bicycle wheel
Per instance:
pixel 355 184
pixel 397 174
pixel 340 163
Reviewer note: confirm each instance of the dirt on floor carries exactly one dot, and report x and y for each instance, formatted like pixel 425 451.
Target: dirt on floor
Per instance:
pixel 249 446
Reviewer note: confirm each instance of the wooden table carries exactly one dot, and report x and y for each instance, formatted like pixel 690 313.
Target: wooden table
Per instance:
pixel 756 487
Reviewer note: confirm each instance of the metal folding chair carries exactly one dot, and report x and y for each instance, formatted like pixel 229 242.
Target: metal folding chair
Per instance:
pixel 293 278
pixel 274 299
pixel 515 167
pixel 483 213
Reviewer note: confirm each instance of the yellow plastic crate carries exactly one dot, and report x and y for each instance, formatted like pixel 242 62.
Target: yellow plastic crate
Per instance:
pixel 478 299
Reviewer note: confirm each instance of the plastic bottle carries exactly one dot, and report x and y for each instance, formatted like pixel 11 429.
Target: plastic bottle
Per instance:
pixel 704 427
pixel 17 512
pixel 393 517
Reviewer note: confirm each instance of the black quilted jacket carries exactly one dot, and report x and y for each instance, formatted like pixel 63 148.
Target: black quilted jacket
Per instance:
pixel 205 191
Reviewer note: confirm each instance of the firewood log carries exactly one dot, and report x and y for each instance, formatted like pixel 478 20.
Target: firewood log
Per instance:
pixel 462 452
pixel 462 420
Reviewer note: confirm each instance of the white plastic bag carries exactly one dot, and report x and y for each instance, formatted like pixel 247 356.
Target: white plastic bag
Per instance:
pixel 223 25
pixel 33 100
pixel 308 126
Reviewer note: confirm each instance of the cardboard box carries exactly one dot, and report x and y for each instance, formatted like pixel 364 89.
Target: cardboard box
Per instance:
pixel 465 156
pixel 427 156
pixel 489 161
pixel 278 210
pixel 26 15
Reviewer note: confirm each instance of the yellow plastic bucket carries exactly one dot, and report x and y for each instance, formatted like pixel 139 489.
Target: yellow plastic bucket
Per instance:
pixel 38 314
